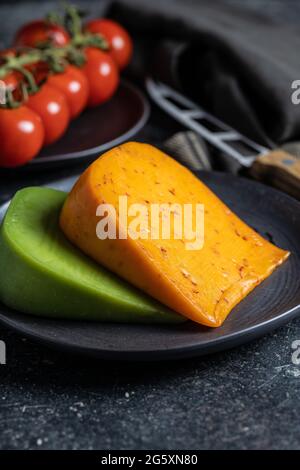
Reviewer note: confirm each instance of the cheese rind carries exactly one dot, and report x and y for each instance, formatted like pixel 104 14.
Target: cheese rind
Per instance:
pixel 203 285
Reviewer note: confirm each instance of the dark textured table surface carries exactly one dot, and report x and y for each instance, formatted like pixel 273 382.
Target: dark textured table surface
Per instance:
pixel 243 398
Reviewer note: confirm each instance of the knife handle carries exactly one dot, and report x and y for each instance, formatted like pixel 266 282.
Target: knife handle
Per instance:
pixel 280 169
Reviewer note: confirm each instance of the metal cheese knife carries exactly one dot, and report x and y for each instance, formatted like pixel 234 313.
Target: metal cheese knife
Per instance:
pixel 276 167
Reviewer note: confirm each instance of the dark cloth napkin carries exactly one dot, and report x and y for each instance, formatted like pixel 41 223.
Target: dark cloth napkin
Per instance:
pixel 237 64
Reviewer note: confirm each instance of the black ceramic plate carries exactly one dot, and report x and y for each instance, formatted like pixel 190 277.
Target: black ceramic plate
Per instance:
pixel 97 129
pixel 273 303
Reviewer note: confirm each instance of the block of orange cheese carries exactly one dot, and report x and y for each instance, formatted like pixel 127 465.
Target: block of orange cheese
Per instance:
pixel 202 284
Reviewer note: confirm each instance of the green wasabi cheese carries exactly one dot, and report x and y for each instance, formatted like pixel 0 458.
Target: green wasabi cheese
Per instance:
pixel 43 274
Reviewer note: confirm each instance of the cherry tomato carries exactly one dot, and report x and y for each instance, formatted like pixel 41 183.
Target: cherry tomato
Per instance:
pixel 51 105
pixel 39 32
pixel 102 74
pixel 12 80
pixel 117 37
pixel 74 84
pixel 40 70
pixel 21 136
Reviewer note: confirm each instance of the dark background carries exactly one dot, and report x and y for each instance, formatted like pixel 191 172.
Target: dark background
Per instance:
pixel 14 13
pixel 243 398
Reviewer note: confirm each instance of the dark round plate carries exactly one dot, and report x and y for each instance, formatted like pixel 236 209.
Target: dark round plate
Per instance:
pixel 273 303
pixel 98 129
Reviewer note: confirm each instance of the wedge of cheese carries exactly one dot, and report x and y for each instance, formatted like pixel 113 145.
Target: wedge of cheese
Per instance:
pixel 47 276
pixel 202 284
